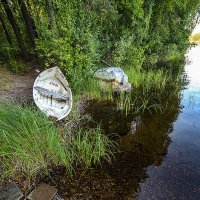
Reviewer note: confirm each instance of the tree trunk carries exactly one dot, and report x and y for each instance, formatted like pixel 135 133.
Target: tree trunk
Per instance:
pixel 5 30
pixel 28 22
pixel 51 15
pixel 15 27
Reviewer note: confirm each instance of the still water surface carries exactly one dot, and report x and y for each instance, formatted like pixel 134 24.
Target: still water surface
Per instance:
pixel 178 175
pixel 160 153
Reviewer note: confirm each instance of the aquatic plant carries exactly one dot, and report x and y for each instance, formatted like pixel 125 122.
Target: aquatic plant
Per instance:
pixel 149 80
pixel 148 88
pixel 124 102
pixel 90 146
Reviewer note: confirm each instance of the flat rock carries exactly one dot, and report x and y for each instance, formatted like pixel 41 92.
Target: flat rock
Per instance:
pixel 57 197
pixel 43 192
pixel 10 192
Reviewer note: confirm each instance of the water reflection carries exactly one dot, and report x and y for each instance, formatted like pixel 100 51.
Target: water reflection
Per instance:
pixel 178 177
pixel 160 153
pixel 143 142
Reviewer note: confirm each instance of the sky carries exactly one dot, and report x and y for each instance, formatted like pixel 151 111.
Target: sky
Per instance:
pixel 197 29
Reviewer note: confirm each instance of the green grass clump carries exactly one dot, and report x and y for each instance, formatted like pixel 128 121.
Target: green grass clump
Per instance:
pixel 31 144
pixel 124 102
pixel 149 80
pixel 149 87
pixel 84 83
pixel 90 146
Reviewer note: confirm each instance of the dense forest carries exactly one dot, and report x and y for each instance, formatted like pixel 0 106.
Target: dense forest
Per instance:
pixel 80 34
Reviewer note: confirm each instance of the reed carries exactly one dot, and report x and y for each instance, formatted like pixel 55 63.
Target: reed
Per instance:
pixel 28 140
pixel 124 102
pixel 148 88
pixel 150 80
pixel 31 144
pixel 86 85
pixel 90 146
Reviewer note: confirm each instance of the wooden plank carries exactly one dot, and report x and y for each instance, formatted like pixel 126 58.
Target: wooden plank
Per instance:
pixel 55 95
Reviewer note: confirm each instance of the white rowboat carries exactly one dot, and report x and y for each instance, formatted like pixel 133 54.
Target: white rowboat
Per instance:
pixel 52 94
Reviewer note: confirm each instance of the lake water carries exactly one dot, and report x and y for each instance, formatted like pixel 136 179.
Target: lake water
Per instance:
pixel 178 175
pixel 160 153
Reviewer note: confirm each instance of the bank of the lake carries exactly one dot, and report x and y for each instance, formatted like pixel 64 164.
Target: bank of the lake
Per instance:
pixel 158 150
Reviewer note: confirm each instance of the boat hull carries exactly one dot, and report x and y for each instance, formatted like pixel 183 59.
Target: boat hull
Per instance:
pixel 52 94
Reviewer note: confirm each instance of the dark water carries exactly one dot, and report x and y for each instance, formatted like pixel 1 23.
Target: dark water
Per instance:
pixel 160 153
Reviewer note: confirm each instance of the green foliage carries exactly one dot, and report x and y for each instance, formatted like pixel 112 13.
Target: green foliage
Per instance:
pixel 127 53
pixel 170 27
pixel 91 145
pixel 83 83
pixel 72 43
pixel 8 55
pixel 127 33
pixel 17 65
pixel 150 80
pixel 30 144
pixel 76 35
pixel 6 51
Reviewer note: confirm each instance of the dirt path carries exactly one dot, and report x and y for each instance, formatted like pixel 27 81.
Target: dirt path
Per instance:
pixel 16 87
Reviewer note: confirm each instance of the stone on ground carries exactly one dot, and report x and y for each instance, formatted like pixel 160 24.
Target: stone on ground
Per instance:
pixel 43 192
pixel 57 197
pixel 10 192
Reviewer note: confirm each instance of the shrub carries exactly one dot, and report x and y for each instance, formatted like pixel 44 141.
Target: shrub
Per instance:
pixel 18 65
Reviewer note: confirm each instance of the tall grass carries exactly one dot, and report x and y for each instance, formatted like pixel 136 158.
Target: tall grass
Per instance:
pixel 151 80
pixel 148 88
pixel 124 102
pixel 90 146
pixel 30 144
pixel 147 80
pixel 85 84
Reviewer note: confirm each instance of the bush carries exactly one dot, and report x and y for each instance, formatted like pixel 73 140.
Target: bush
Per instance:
pixel 76 35
pixel 17 65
